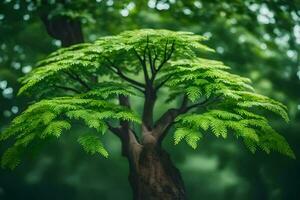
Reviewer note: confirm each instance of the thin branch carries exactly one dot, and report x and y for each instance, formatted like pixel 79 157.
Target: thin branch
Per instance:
pixel 67 88
pixel 139 89
pixel 162 83
pixel 167 56
pixel 164 58
pixel 147 79
pixel 125 125
pixel 168 117
pixel 83 82
pixel 117 71
pixel 114 130
pixel 77 78
pixel 143 63
pixel 203 103
pixel 132 138
pixel 197 105
pixel 150 95
pixel 119 132
pixel 155 58
pixel 138 56
pixel 151 62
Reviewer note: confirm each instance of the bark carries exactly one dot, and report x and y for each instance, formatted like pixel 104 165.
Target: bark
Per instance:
pixel 67 30
pixel 150 98
pixel 154 176
pixel 63 28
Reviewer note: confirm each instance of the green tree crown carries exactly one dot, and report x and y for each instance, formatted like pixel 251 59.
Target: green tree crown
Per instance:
pixel 87 82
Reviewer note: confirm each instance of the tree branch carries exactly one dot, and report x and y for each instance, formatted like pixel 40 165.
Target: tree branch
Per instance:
pixel 77 78
pixel 150 91
pixel 117 71
pixel 205 102
pixel 154 60
pixel 128 139
pixel 116 131
pixel 151 62
pixel 125 125
pixel 143 63
pixel 139 89
pixel 82 82
pixel 169 116
pixel 164 58
pixel 124 101
pixel 167 56
pixel 162 83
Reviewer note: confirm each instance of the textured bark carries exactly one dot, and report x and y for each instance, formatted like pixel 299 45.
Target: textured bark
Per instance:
pixel 154 176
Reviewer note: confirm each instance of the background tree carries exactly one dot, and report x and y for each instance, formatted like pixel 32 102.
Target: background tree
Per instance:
pixel 258 39
pixel 167 60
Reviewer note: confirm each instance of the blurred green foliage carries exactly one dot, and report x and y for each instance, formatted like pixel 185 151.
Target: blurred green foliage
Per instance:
pixel 258 39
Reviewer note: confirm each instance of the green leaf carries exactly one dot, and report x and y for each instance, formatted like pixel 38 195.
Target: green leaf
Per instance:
pixel 92 144
pixel 11 158
pixel 191 136
pixel 193 93
pixel 55 128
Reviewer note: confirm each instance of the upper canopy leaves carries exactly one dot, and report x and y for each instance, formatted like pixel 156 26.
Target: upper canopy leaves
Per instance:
pixel 84 81
pixel 121 50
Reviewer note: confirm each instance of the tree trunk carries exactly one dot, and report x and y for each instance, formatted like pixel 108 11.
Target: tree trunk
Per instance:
pixel 154 176
pixel 67 30
pixel 63 28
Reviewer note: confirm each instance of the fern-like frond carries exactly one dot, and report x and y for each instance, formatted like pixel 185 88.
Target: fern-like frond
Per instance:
pixel 191 136
pixel 92 144
pixel 107 90
pixel 53 116
pixel 254 129
pixel 266 105
pixel 55 128
pixel 11 158
pixel 89 59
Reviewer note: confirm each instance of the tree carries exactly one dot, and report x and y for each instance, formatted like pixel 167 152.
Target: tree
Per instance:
pixel 97 83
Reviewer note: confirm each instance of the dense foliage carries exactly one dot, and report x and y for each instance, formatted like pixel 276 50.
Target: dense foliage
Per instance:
pixel 257 39
pixel 73 82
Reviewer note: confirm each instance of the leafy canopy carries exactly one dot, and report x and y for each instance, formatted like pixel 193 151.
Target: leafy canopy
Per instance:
pixel 85 82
